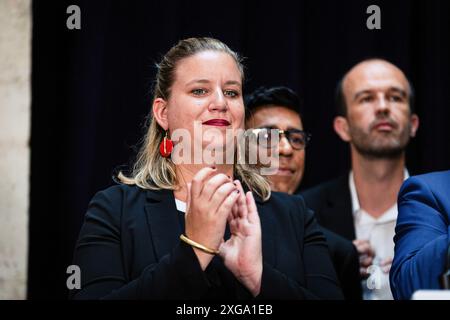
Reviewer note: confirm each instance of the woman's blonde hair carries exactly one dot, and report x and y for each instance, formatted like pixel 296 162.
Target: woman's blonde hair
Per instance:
pixel 151 170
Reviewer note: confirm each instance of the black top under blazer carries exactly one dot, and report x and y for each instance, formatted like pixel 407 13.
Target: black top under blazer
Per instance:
pixel 129 248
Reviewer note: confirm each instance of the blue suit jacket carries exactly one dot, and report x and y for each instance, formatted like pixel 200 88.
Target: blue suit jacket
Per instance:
pixel 422 234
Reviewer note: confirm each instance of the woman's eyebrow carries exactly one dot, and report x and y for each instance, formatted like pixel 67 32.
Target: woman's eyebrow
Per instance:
pixel 198 81
pixel 233 82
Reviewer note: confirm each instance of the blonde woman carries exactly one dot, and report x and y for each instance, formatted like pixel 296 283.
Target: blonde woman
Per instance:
pixel 194 230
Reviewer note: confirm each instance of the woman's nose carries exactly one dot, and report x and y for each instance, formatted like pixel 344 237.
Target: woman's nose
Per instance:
pixel 219 101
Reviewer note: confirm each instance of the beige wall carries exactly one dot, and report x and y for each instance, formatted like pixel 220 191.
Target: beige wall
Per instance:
pixel 15 56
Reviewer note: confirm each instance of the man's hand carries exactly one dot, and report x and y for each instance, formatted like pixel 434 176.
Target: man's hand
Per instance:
pixel 386 265
pixel 366 255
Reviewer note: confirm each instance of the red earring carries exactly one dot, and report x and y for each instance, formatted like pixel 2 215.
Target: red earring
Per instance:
pixel 165 147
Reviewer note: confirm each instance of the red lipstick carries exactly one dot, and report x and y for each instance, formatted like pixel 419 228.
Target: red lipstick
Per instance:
pixel 217 122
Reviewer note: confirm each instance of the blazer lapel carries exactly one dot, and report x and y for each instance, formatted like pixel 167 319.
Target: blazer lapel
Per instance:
pixel 163 221
pixel 339 209
pixel 266 218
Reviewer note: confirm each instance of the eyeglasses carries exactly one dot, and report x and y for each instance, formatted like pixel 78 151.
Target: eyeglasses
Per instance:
pixel 298 139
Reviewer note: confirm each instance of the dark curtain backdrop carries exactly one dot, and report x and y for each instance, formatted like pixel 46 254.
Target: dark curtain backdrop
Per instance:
pixel 91 90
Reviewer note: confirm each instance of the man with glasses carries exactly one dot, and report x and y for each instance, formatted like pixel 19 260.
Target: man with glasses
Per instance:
pixel 276 111
pixel 376 117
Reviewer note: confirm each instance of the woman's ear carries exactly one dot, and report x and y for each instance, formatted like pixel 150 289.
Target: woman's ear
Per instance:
pixel 341 127
pixel 159 110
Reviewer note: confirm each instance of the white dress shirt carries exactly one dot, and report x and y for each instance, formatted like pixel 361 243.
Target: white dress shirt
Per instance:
pixel 380 233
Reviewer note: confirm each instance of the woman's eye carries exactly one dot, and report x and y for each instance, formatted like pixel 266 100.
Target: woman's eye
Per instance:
pixel 198 92
pixel 231 93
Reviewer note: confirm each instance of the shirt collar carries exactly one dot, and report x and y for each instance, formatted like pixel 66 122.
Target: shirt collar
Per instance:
pixel 181 205
pixel 355 201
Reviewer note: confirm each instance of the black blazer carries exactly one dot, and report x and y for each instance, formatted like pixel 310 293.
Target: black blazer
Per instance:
pixel 129 248
pixel 332 204
pixel 346 263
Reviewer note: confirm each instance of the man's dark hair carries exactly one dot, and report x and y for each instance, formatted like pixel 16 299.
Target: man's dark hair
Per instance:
pixel 341 105
pixel 274 96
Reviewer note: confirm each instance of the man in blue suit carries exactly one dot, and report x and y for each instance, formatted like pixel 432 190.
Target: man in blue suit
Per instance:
pixel 422 234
